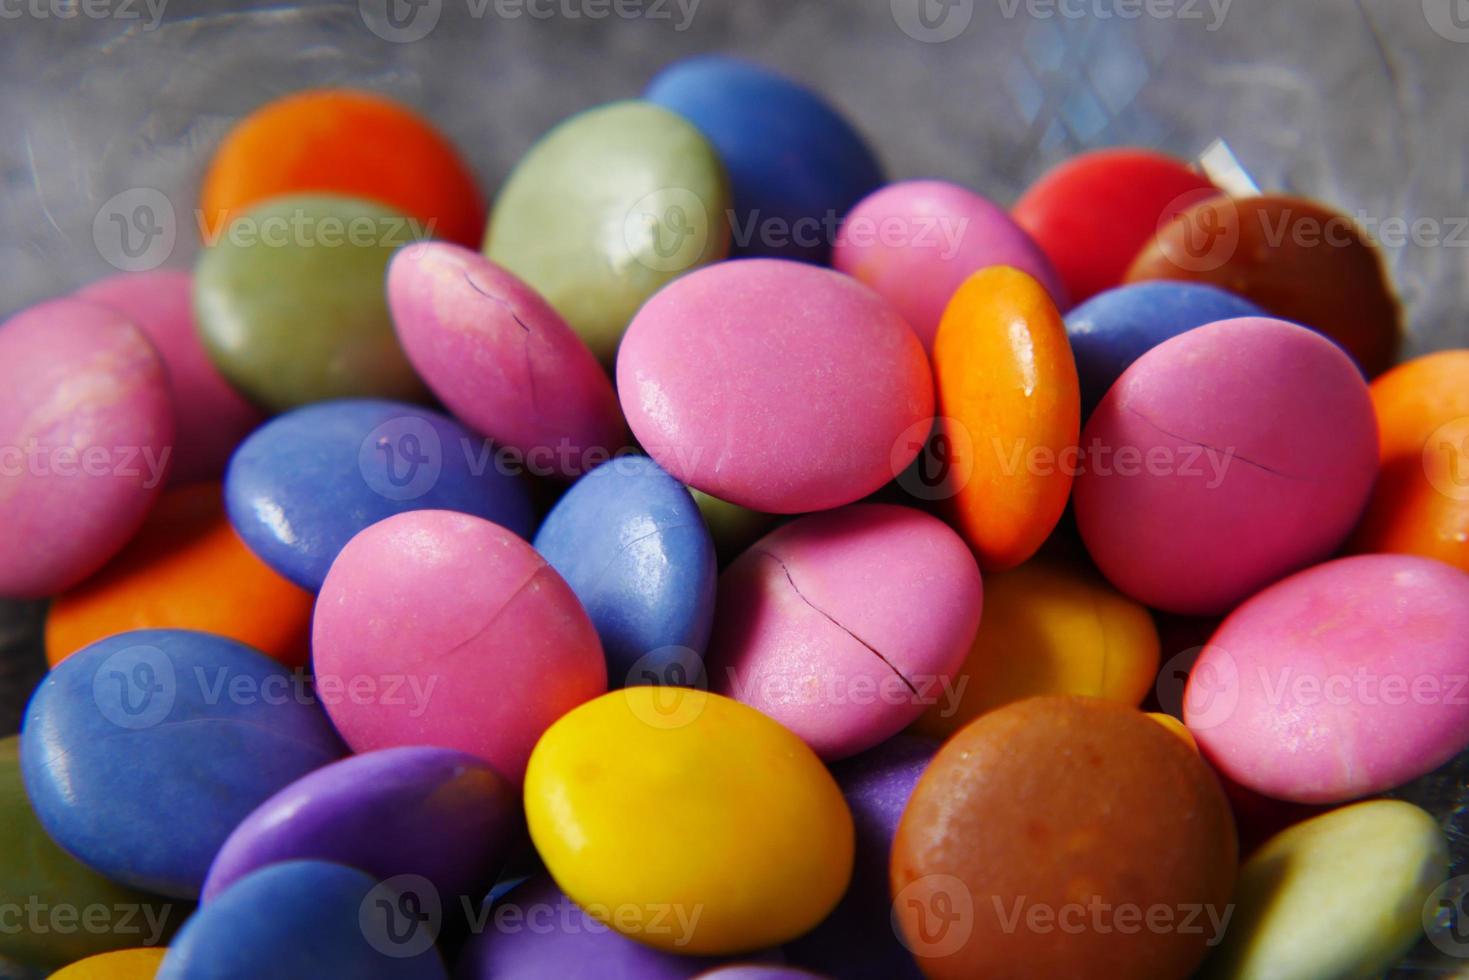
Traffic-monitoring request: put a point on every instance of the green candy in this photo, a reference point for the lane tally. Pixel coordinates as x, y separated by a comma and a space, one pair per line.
734, 528
54, 909
608, 208
1338, 896
292, 306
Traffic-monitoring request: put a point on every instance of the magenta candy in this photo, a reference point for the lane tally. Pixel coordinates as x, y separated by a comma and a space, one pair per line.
1222, 460
457, 634
916, 241
86, 429
1341, 681
210, 417
502, 360
844, 626
775, 385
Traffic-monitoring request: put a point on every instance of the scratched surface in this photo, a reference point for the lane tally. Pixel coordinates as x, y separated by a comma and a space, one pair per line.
1361, 104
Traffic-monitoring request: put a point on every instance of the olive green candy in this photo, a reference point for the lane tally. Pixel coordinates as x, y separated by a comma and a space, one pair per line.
291, 302
610, 206
734, 528
54, 909
1341, 895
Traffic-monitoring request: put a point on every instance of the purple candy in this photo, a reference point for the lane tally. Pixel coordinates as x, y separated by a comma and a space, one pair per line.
755, 971
857, 940
415, 810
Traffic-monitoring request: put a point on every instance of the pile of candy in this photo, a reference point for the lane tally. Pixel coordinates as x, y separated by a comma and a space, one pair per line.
376, 647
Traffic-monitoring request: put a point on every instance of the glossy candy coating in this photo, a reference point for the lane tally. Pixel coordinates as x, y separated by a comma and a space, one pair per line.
342, 141
606, 209
1009, 408
489, 644
1093, 212
169, 739
1049, 628
303, 484
1356, 666
916, 241
291, 306
630, 542
1296, 258
186, 568
501, 359
1072, 814
210, 417
1114, 328
774, 385
124, 964
87, 426
699, 783
795, 164
418, 810
1222, 460
304, 920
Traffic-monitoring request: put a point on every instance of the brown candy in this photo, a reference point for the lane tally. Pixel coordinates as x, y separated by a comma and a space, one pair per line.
1299, 260
1064, 837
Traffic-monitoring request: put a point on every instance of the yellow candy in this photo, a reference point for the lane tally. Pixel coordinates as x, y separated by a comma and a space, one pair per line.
1049, 628
121, 964
1176, 727
688, 821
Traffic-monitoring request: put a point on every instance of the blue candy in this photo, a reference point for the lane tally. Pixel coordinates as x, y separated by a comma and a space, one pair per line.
304, 483
141, 752
629, 540
1112, 329
795, 165
304, 920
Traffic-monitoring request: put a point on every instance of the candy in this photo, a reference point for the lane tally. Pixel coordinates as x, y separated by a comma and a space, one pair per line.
348, 142
290, 302
1090, 214
143, 751
185, 569
1301, 261
1049, 628
734, 528
629, 541
501, 359
1112, 329
304, 920
39, 877
487, 644
302, 485
708, 813
122, 964
774, 385
1338, 682
210, 417
752, 971
795, 165
1342, 895
857, 941
86, 432
1420, 504
537, 932
1222, 460
1009, 410
916, 241
606, 209
436, 813
1072, 835
816, 624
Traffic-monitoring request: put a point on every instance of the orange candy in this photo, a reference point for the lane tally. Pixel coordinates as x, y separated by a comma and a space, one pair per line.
1420, 505
1010, 413
185, 569
344, 142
